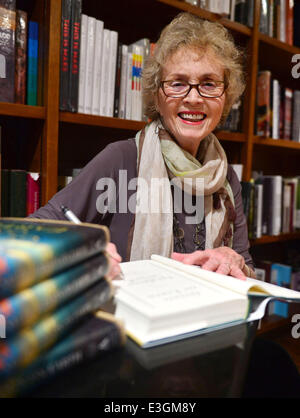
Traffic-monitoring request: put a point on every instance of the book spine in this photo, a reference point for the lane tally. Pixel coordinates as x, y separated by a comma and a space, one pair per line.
32, 263
99, 334
5, 174
17, 193
275, 109
112, 72
289, 22
118, 81
122, 101
7, 51
287, 124
26, 307
104, 72
32, 63
23, 349
33, 192
128, 86
82, 63
263, 103
97, 67
296, 119
89, 65
74, 56
64, 53
21, 57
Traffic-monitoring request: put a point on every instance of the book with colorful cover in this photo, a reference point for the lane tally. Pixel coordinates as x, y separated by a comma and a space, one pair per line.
33, 249
32, 62
98, 334
21, 350
281, 275
26, 307
7, 50
21, 56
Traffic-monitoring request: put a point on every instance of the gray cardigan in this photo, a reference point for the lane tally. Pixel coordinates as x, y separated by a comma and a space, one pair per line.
81, 197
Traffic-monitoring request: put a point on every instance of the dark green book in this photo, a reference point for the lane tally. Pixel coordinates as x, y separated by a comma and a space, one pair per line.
33, 249
18, 193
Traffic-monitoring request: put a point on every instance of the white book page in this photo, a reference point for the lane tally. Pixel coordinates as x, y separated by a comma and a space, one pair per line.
157, 290
236, 285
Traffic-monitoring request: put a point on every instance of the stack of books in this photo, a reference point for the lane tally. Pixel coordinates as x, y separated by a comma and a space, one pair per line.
52, 285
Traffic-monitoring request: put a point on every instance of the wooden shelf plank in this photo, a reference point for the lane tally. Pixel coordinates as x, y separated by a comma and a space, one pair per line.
282, 143
102, 121
229, 24
231, 136
279, 44
268, 239
23, 111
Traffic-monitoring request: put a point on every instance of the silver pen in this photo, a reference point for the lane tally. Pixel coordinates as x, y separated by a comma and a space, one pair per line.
73, 218
70, 215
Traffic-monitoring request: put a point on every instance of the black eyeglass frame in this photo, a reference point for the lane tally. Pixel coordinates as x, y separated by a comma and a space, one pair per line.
191, 86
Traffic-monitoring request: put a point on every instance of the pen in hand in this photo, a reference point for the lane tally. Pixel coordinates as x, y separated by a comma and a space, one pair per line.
73, 218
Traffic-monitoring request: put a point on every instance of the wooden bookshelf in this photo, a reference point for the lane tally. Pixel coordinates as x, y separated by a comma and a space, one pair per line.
22, 111
268, 239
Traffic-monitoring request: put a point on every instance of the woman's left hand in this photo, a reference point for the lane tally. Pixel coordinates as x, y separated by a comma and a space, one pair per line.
222, 260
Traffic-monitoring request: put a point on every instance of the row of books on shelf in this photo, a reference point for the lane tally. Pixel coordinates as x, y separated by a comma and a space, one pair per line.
98, 74
277, 109
19, 44
53, 285
20, 192
278, 18
281, 275
271, 205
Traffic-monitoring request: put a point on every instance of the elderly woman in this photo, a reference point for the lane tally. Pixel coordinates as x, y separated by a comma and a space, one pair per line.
189, 86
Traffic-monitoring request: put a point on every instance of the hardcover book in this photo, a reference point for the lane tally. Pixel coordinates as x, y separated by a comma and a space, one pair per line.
73, 79
263, 103
32, 250
98, 334
22, 349
21, 57
64, 53
7, 50
32, 63
27, 306
163, 300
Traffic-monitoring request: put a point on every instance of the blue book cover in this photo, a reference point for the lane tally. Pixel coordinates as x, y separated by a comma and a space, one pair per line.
281, 275
32, 63
32, 250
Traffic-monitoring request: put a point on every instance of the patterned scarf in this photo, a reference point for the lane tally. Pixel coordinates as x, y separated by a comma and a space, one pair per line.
160, 159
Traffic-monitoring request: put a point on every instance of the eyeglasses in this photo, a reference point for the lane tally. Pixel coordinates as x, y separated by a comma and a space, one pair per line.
207, 88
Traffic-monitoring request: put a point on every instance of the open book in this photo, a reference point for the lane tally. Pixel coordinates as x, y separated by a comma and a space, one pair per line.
163, 300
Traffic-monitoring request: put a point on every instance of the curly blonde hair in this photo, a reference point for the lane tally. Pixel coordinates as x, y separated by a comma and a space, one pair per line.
189, 31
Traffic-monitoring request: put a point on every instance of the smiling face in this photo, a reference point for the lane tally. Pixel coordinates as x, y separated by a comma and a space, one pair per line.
191, 118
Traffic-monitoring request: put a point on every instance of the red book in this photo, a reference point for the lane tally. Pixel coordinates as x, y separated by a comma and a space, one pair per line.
263, 103
33, 192
289, 28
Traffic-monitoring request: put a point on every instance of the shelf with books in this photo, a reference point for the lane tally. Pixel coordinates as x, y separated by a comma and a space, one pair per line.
231, 136
229, 24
